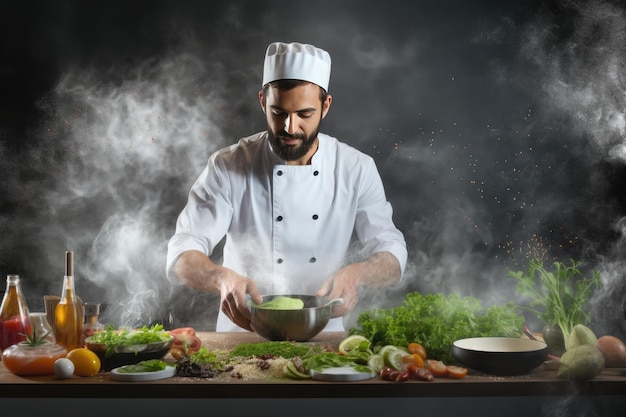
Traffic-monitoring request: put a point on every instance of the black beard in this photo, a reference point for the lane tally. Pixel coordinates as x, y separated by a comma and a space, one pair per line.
289, 152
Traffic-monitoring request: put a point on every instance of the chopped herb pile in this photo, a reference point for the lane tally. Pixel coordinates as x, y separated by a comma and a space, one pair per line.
208, 364
203, 364
436, 321
282, 349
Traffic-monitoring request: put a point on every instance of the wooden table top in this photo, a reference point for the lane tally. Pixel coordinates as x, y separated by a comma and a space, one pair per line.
539, 382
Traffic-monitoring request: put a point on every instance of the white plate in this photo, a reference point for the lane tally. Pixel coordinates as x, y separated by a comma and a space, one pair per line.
340, 373
168, 372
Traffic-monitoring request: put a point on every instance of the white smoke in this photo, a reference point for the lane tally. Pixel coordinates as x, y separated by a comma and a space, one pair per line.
131, 139
583, 77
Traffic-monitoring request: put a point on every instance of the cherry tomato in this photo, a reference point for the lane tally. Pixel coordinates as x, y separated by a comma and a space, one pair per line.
416, 348
456, 371
413, 359
437, 368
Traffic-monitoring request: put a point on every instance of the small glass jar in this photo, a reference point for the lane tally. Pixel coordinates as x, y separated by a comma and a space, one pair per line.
92, 324
41, 326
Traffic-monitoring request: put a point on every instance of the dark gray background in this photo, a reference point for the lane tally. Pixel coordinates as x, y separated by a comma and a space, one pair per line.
498, 128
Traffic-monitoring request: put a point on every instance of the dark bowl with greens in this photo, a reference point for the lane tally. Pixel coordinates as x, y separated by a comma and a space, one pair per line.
119, 347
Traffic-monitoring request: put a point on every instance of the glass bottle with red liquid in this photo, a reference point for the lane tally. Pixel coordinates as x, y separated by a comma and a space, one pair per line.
14, 318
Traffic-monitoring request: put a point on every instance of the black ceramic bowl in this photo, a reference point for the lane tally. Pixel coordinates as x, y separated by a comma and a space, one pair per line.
502, 356
128, 355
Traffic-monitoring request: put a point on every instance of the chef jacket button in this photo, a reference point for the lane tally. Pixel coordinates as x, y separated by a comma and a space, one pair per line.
312, 260
279, 173
279, 261
279, 218
315, 217
316, 173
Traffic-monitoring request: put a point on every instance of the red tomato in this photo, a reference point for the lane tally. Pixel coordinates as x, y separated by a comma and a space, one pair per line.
185, 342
456, 372
183, 330
437, 368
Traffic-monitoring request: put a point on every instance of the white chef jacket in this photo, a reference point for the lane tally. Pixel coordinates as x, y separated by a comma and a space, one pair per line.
287, 227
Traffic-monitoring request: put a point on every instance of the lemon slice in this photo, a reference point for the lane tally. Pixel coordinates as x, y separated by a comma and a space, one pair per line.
354, 343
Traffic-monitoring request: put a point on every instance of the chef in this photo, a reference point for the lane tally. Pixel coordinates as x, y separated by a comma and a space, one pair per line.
301, 212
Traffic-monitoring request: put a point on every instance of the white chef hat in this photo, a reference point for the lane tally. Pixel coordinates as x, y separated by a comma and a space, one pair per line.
296, 61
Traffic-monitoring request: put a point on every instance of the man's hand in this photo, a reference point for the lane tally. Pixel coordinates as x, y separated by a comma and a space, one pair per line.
197, 271
343, 284
379, 270
233, 298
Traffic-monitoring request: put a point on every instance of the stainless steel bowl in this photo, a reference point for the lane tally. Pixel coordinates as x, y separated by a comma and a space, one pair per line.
292, 325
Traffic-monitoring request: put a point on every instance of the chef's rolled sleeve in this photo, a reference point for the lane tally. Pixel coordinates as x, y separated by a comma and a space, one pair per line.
374, 219
203, 222
179, 244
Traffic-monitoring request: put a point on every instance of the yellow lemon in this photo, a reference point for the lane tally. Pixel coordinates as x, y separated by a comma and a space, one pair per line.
86, 362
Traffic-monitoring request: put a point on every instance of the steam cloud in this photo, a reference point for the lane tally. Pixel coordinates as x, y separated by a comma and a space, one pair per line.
129, 142
584, 73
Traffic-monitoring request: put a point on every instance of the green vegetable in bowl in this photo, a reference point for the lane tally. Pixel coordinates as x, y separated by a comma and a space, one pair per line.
282, 303
113, 339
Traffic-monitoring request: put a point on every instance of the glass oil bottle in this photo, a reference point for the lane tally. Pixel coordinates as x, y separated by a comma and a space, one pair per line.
14, 317
68, 327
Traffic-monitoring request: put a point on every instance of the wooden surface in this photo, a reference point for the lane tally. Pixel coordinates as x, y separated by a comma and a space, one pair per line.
540, 382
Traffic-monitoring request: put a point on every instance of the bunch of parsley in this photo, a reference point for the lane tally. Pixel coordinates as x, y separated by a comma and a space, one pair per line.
436, 321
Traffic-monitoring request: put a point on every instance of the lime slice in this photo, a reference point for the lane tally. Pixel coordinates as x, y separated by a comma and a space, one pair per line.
376, 362
354, 343
394, 359
385, 350
290, 371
